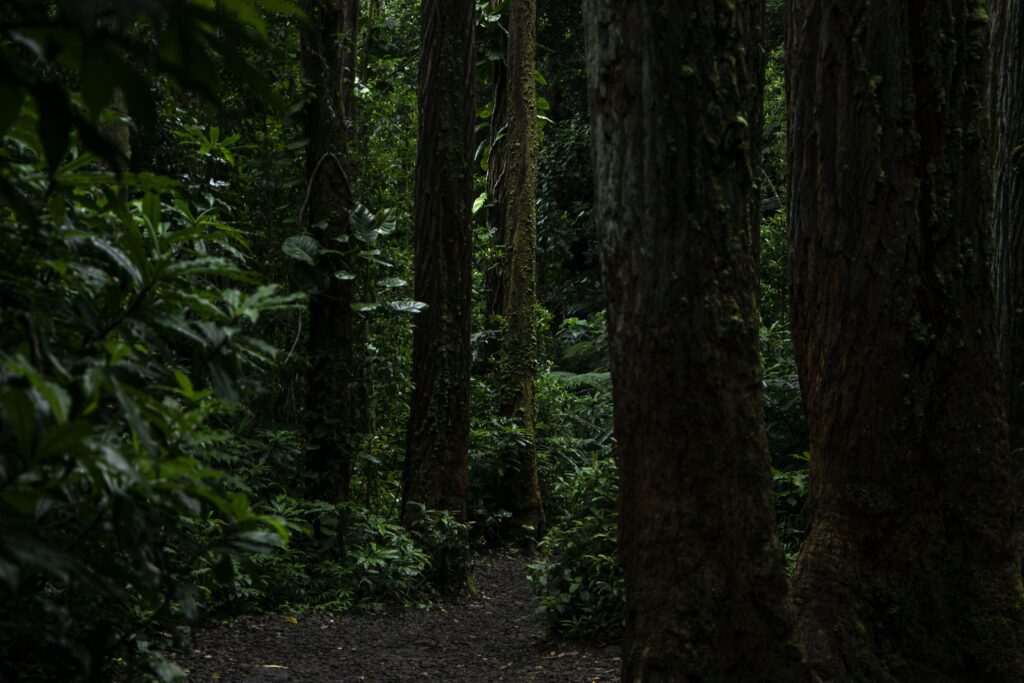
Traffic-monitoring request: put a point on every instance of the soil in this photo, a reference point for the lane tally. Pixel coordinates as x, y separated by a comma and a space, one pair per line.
494, 635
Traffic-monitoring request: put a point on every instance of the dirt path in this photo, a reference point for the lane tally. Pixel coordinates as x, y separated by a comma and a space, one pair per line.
493, 636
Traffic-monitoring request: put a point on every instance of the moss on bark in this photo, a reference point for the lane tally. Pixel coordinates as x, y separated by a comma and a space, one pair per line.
517, 365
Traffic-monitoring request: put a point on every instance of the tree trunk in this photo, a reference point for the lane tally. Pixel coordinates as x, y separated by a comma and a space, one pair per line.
1008, 215
675, 99
437, 448
520, 489
910, 569
328, 55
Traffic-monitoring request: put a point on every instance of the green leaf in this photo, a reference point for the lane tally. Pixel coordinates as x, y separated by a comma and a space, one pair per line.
151, 207
301, 248
118, 257
20, 415
66, 439
408, 306
479, 203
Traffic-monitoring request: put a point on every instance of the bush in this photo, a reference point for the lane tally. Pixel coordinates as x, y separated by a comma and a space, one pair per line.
578, 577
346, 558
124, 340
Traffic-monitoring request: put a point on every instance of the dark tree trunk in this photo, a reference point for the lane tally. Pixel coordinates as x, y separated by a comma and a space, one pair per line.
910, 569
1008, 212
675, 99
520, 488
437, 447
328, 63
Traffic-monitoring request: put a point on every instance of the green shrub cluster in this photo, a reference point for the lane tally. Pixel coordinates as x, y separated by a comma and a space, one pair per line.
578, 578
125, 342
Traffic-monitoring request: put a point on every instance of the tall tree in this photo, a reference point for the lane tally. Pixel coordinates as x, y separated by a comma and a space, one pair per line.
520, 488
910, 570
328, 53
675, 99
437, 445
1008, 214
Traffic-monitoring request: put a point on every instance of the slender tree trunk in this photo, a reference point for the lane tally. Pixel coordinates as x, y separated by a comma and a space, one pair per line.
910, 570
520, 488
1008, 214
328, 54
675, 99
437, 448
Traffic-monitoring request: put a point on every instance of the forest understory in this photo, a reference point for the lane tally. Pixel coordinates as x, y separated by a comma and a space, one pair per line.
680, 341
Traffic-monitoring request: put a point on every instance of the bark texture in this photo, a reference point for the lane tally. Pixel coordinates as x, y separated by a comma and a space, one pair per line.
1008, 212
520, 488
437, 448
910, 569
328, 55
675, 97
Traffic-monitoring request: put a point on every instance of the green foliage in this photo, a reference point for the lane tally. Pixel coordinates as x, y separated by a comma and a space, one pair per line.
774, 280
349, 558
102, 46
578, 577
783, 407
152, 447
790, 485
125, 339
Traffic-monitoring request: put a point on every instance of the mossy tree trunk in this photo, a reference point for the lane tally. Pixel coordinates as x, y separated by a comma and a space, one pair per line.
437, 446
328, 53
910, 570
1008, 211
675, 97
520, 489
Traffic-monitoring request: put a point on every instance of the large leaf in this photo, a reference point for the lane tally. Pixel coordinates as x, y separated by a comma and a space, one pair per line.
301, 248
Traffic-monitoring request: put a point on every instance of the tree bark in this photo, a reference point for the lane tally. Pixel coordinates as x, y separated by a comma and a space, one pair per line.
520, 488
328, 54
1008, 212
910, 570
675, 97
437, 448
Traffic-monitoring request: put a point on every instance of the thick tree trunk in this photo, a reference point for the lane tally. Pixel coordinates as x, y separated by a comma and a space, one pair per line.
675, 99
520, 489
910, 569
1008, 212
437, 447
328, 62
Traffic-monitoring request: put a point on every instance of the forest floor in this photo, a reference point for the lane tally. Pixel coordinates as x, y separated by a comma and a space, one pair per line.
494, 635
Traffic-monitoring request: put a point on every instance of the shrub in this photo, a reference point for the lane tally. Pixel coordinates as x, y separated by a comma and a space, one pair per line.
124, 340
578, 577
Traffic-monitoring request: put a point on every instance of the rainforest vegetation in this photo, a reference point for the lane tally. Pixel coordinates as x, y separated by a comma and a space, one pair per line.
704, 317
